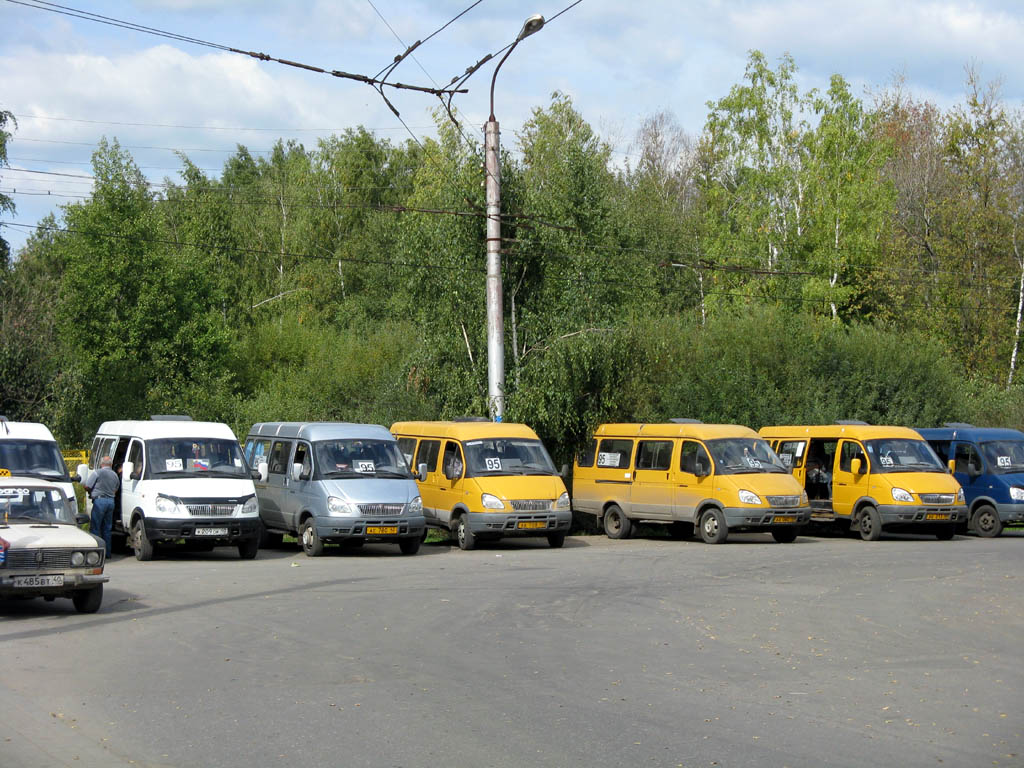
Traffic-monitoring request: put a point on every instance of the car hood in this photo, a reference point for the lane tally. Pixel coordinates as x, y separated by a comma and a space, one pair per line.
922, 482
764, 483
27, 536
521, 486
199, 487
373, 490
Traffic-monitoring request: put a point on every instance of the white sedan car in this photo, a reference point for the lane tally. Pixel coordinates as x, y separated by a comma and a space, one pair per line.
43, 552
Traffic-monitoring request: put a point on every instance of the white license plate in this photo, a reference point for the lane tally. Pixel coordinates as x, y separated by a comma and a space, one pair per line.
55, 580
211, 531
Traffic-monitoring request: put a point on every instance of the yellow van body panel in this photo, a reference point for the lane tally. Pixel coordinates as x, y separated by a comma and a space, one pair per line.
674, 491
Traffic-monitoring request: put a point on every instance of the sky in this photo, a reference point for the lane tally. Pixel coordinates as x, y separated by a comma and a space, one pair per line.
69, 82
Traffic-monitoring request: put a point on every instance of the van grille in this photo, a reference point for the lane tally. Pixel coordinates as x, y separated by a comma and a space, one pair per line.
211, 510
531, 505
783, 501
937, 498
381, 510
51, 558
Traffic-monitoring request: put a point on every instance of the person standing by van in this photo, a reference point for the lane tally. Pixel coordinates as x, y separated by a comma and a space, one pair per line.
102, 487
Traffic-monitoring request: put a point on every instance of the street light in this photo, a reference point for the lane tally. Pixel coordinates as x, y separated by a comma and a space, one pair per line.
495, 310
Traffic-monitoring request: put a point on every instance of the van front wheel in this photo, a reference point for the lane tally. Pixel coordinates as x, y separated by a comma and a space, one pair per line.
870, 524
785, 535
616, 524
140, 541
713, 528
312, 544
986, 522
463, 535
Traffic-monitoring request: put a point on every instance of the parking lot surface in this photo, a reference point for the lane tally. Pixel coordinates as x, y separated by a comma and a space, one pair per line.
644, 652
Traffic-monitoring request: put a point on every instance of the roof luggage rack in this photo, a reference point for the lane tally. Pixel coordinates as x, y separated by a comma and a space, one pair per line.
170, 417
470, 418
686, 421
852, 422
959, 425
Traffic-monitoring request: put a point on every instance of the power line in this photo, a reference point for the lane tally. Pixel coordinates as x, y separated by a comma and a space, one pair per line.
108, 20
286, 129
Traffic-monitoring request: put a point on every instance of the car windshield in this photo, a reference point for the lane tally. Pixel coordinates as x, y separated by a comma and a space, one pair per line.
902, 455
507, 456
360, 457
32, 458
744, 456
195, 457
30, 505
1004, 456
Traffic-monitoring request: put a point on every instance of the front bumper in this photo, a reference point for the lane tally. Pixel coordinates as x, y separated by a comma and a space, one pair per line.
765, 518
345, 528
171, 529
520, 523
903, 515
1011, 513
73, 581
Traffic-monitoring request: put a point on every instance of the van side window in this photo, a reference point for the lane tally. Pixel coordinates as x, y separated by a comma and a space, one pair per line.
135, 457
279, 457
851, 451
586, 456
693, 456
407, 445
791, 452
304, 457
654, 454
614, 454
966, 456
941, 448
256, 452
94, 453
452, 463
427, 454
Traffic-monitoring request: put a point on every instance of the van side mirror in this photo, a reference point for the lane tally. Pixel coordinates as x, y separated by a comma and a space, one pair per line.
261, 469
702, 470
855, 466
952, 466
421, 473
565, 471
82, 519
82, 474
126, 471
973, 470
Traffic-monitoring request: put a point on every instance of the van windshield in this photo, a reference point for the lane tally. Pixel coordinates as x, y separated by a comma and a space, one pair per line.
1004, 457
34, 506
507, 456
195, 457
360, 458
33, 458
902, 455
744, 456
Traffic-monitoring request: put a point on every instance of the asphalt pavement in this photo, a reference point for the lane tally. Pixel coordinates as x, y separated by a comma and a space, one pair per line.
644, 652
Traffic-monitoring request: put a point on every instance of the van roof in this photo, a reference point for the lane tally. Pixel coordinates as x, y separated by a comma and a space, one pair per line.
853, 431
967, 432
149, 430
686, 429
24, 430
320, 430
462, 430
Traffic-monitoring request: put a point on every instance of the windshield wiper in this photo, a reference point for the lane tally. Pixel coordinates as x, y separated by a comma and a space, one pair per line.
391, 473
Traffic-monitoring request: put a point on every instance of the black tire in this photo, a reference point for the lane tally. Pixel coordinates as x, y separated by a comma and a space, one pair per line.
713, 528
463, 535
785, 535
311, 542
88, 600
986, 522
269, 539
680, 530
410, 546
247, 549
140, 542
616, 524
870, 524
556, 540
945, 533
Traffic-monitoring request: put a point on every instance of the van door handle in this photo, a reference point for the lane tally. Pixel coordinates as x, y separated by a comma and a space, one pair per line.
683, 485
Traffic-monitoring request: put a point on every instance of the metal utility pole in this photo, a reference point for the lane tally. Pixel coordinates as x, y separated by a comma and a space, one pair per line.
495, 307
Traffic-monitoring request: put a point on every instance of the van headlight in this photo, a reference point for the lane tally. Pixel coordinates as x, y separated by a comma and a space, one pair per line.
490, 501
77, 559
165, 505
414, 507
748, 497
1017, 494
340, 508
563, 501
250, 507
960, 496
898, 494
803, 499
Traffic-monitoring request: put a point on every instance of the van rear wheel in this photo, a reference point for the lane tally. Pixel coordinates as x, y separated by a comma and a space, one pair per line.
616, 524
